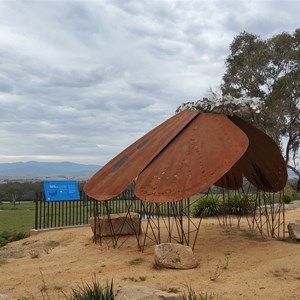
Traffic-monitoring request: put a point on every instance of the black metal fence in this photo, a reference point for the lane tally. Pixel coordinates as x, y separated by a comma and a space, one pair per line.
53, 214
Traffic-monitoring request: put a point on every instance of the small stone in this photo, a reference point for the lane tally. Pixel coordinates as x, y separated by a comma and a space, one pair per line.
174, 256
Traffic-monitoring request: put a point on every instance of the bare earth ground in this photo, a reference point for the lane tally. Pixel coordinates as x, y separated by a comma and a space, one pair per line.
233, 264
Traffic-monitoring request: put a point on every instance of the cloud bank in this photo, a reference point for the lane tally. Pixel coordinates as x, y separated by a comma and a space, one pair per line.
81, 80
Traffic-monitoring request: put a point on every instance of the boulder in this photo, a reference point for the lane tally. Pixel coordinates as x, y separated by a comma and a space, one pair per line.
4, 297
174, 256
116, 224
136, 292
294, 230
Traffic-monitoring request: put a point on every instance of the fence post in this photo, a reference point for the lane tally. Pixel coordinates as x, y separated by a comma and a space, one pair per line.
36, 200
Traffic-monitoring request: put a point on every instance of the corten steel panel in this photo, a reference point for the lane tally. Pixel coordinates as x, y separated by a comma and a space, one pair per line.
199, 156
262, 164
116, 175
232, 180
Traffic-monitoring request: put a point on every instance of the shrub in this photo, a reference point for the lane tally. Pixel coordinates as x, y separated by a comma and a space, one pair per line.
207, 207
93, 291
7, 237
238, 205
289, 192
286, 199
235, 204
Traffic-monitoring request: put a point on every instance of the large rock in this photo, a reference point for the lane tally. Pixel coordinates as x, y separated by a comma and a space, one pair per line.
4, 297
116, 224
136, 292
294, 230
174, 256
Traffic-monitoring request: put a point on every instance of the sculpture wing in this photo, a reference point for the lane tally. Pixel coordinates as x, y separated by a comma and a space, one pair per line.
262, 164
116, 175
232, 180
200, 155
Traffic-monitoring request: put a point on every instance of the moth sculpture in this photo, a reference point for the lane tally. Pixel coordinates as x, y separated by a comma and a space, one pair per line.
192, 151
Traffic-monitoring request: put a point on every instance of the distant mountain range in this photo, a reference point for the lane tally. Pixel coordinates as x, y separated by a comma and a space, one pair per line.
34, 168
52, 169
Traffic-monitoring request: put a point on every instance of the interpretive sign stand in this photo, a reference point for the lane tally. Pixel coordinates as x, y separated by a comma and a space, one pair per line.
61, 190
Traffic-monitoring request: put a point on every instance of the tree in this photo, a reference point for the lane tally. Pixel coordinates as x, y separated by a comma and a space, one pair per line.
14, 192
269, 69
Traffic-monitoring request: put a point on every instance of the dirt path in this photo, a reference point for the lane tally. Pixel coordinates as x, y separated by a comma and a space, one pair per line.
234, 264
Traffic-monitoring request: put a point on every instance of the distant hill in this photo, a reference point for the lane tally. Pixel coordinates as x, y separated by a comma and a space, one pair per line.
34, 168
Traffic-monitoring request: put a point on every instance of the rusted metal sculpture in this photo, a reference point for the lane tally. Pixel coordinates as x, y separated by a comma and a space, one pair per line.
185, 155
188, 153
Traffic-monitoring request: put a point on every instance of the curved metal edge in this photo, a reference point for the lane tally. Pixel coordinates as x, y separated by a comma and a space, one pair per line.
116, 175
262, 164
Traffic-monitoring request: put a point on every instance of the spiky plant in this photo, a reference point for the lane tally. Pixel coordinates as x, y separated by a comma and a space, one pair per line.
93, 291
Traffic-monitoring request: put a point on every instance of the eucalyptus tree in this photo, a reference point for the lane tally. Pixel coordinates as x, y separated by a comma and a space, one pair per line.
269, 69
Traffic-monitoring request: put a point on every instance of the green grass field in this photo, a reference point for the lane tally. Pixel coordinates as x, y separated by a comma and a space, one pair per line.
17, 218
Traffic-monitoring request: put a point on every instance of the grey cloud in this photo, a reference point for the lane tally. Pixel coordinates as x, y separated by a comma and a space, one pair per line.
265, 18
5, 87
80, 78
74, 75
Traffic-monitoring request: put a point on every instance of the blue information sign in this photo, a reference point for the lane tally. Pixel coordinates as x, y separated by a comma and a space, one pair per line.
61, 190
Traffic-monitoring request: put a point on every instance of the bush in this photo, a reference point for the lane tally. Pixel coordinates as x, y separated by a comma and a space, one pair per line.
207, 207
235, 204
287, 199
238, 205
289, 193
8, 237
93, 291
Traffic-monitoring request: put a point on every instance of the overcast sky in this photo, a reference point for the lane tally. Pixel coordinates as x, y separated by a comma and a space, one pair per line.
81, 80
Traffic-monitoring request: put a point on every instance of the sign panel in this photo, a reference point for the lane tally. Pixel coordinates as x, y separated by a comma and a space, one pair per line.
61, 190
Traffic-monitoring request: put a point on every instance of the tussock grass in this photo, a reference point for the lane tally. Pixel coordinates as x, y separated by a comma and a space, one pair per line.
192, 295
92, 291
